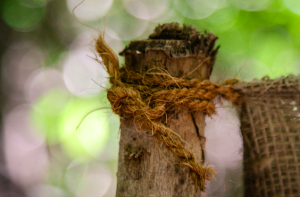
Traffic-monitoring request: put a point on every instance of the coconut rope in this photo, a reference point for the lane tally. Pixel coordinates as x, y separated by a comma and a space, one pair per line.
146, 99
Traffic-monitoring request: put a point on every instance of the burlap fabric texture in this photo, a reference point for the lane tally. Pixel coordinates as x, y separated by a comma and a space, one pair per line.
270, 125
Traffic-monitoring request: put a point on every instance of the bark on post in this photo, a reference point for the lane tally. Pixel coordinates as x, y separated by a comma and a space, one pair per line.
146, 168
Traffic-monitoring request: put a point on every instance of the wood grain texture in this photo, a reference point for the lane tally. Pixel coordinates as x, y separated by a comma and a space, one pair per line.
146, 167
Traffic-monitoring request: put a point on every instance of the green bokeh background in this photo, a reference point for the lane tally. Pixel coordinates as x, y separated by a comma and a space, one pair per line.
257, 38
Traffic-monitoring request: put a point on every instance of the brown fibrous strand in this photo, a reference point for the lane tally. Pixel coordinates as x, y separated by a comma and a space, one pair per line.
146, 98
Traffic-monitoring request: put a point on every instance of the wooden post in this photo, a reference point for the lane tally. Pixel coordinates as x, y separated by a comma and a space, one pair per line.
146, 168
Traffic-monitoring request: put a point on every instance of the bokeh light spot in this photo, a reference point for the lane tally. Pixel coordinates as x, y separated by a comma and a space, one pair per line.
42, 81
46, 191
146, 9
20, 17
196, 9
45, 114
57, 117
270, 50
91, 136
89, 10
124, 26
83, 76
222, 19
23, 146
293, 6
88, 180
252, 5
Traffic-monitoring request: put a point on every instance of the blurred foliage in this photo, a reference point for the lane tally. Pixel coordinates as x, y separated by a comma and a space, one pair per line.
58, 118
20, 16
257, 38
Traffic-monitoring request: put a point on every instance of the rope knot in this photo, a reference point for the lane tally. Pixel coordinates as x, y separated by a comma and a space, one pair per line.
147, 98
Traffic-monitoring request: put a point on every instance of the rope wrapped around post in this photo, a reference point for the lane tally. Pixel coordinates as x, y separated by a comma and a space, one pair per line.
145, 98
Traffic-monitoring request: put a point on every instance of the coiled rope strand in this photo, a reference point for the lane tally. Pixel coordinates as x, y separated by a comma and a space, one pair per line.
146, 99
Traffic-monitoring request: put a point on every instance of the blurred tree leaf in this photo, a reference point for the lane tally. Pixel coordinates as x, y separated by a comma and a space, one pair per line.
20, 17
57, 116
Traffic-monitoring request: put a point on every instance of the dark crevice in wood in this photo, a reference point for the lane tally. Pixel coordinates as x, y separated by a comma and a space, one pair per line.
196, 127
199, 136
202, 153
178, 51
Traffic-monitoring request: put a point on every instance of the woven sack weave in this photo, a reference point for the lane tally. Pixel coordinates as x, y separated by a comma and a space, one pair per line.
270, 125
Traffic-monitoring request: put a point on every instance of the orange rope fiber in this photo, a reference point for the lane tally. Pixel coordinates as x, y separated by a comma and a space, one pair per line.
146, 99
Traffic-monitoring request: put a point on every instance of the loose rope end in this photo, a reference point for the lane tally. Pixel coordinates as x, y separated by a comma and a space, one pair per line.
129, 96
108, 56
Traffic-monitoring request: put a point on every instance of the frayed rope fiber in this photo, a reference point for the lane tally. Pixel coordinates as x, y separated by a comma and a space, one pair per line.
145, 98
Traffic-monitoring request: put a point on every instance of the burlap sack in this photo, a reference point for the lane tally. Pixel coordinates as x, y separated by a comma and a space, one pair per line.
270, 125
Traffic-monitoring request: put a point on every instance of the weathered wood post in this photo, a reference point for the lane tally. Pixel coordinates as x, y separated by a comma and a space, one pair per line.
162, 96
145, 167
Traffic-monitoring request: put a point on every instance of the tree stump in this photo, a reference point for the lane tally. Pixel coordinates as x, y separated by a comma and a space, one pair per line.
145, 167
